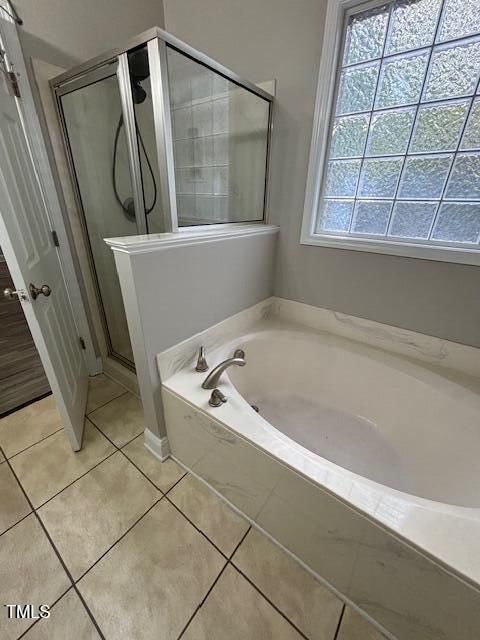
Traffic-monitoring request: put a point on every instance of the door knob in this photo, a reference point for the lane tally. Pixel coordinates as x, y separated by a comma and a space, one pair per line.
36, 291
10, 294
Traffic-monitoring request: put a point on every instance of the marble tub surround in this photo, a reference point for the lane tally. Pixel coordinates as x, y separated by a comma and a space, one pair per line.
429, 540
429, 349
405, 592
185, 353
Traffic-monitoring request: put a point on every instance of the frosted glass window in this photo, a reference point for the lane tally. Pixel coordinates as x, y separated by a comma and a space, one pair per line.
439, 126
365, 36
412, 219
464, 183
371, 217
349, 135
458, 223
454, 70
379, 178
424, 177
337, 215
413, 25
401, 80
390, 132
342, 177
357, 88
460, 18
471, 136
403, 155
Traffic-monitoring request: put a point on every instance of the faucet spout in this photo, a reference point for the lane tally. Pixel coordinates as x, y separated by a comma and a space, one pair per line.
213, 378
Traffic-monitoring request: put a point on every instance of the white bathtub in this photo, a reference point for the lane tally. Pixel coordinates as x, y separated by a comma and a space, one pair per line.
371, 432
374, 414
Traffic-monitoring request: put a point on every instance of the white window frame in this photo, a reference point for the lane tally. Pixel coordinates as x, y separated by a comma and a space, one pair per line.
332, 45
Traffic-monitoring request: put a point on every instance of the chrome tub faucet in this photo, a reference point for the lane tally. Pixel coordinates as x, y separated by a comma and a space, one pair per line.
213, 378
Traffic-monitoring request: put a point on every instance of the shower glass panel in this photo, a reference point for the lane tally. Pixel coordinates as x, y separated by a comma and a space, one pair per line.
96, 138
145, 130
220, 139
158, 136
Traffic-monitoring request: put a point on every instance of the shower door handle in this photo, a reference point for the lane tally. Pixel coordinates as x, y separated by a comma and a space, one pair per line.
36, 291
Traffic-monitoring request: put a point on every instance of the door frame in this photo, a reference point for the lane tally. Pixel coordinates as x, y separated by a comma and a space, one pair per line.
15, 62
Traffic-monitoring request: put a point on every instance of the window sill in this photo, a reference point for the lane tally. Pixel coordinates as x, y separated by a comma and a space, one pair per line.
389, 247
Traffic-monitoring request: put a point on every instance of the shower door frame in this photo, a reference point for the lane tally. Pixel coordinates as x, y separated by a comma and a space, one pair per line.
156, 40
112, 68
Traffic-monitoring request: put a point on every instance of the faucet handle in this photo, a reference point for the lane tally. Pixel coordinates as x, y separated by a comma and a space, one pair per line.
201, 361
239, 353
216, 398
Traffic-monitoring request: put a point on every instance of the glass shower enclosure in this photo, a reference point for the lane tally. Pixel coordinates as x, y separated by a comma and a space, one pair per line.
159, 138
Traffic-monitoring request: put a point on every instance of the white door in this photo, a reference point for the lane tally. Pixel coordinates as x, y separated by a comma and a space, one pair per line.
32, 258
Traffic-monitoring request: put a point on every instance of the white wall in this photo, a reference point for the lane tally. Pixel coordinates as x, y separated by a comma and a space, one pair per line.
172, 293
262, 39
65, 32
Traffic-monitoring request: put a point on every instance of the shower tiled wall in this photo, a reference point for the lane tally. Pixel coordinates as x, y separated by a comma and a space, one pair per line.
200, 110
220, 145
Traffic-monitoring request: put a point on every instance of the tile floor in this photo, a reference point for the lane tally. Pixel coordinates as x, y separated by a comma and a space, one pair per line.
123, 546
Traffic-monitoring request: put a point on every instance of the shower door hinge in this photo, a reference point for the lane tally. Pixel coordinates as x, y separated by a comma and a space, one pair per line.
82, 343
55, 238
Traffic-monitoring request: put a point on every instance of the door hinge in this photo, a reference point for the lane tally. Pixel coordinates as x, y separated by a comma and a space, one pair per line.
82, 343
55, 238
12, 77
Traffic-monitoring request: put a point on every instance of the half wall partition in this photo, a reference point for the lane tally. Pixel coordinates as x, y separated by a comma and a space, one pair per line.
159, 138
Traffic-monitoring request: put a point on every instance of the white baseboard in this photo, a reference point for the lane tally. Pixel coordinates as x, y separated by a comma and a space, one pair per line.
159, 447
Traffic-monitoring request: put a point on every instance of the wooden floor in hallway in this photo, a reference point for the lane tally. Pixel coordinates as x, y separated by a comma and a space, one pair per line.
22, 378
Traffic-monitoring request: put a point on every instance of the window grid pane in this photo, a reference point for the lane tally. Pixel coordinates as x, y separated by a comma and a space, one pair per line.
404, 156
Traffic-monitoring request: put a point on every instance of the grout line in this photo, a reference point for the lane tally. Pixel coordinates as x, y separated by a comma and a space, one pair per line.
239, 544
76, 480
121, 384
120, 450
130, 441
15, 524
202, 601
268, 600
32, 445
118, 447
57, 553
178, 481
339, 622
100, 406
164, 493
229, 562
118, 540
51, 607
197, 528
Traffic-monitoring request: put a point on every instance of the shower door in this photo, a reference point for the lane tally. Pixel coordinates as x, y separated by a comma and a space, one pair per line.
92, 117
